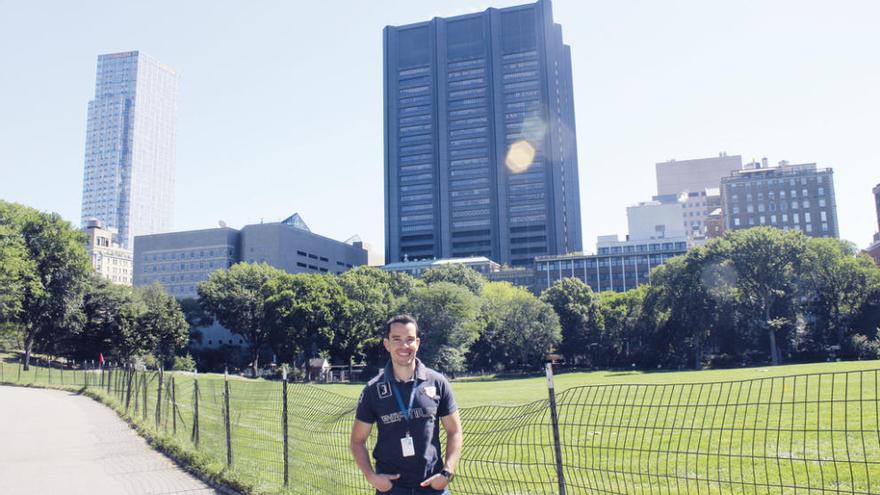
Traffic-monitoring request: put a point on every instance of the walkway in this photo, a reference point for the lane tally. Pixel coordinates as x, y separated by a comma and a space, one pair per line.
57, 442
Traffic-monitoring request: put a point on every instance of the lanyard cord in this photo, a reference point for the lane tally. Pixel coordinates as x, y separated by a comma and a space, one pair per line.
407, 411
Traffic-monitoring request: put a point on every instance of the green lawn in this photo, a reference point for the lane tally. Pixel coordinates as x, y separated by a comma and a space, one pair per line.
790, 429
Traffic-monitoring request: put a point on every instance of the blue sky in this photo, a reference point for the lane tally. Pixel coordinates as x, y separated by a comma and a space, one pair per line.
281, 102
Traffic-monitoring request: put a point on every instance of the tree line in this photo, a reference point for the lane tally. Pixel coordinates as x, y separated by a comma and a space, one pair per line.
52, 302
752, 296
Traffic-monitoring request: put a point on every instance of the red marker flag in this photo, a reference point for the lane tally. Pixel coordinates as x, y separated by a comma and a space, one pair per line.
101, 358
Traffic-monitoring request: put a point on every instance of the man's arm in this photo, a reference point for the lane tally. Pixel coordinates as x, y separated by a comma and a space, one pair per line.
360, 432
454, 441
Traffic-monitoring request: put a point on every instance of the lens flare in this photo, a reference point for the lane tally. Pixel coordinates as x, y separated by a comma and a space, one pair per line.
520, 156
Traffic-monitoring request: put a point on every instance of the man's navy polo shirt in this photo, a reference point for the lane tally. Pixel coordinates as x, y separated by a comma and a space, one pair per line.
433, 400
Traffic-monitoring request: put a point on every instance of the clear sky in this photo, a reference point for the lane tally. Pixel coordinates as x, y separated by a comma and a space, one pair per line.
281, 102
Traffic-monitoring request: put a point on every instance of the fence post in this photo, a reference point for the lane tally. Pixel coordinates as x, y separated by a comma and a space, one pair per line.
128, 378
560, 475
159, 398
109, 378
144, 382
284, 425
195, 432
226, 416
102, 374
173, 407
19, 369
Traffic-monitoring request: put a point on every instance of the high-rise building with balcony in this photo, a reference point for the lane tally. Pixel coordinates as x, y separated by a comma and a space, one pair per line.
128, 181
480, 150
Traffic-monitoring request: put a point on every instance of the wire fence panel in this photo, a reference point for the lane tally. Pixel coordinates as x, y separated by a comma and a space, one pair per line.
320, 427
803, 434
795, 434
256, 419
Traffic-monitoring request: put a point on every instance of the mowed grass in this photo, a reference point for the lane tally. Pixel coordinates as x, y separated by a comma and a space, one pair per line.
788, 429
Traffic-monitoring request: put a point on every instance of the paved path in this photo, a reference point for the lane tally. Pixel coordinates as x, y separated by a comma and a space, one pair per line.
57, 442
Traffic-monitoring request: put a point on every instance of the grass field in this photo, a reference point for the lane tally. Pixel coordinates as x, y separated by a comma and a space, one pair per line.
790, 429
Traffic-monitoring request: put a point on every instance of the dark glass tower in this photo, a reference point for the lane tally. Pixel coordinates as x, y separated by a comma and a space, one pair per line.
480, 151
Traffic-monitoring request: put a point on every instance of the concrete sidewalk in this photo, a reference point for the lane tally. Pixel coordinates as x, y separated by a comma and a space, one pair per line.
57, 442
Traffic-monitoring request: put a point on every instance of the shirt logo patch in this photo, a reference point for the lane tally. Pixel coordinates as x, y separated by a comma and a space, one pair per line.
431, 392
384, 390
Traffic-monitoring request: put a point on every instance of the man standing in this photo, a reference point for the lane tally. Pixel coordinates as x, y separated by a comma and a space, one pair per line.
406, 399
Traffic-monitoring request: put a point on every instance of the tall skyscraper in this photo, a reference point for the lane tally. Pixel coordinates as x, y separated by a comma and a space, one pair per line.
128, 182
480, 150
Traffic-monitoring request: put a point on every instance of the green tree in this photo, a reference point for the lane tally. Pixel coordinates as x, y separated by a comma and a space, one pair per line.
56, 271
631, 319
110, 325
766, 263
196, 316
578, 310
18, 274
303, 309
372, 296
163, 323
520, 329
840, 280
457, 274
237, 299
448, 317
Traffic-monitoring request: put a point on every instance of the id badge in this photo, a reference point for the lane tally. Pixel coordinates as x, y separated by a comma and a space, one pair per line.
406, 445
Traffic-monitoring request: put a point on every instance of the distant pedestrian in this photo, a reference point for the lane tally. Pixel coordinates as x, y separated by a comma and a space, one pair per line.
406, 400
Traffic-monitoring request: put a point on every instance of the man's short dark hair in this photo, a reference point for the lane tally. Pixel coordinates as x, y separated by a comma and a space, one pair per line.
402, 319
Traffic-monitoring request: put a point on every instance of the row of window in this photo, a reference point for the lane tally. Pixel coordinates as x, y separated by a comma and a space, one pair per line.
188, 254
771, 195
595, 263
174, 267
313, 256
791, 182
783, 219
772, 206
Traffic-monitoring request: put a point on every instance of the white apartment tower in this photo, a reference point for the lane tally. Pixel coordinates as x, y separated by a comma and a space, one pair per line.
128, 181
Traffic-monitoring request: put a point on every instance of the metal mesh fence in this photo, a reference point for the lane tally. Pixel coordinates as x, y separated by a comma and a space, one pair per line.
803, 434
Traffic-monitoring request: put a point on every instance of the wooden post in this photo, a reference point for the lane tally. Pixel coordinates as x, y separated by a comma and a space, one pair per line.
560, 475
284, 425
128, 378
173, 406
144, 383
195, 430
159, 398
227, 418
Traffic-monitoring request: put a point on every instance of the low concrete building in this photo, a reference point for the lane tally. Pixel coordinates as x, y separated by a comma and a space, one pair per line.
618, 265
179, 261
481, 264
109, 259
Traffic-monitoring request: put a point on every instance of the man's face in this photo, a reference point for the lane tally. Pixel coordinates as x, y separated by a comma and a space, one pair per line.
402, 343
